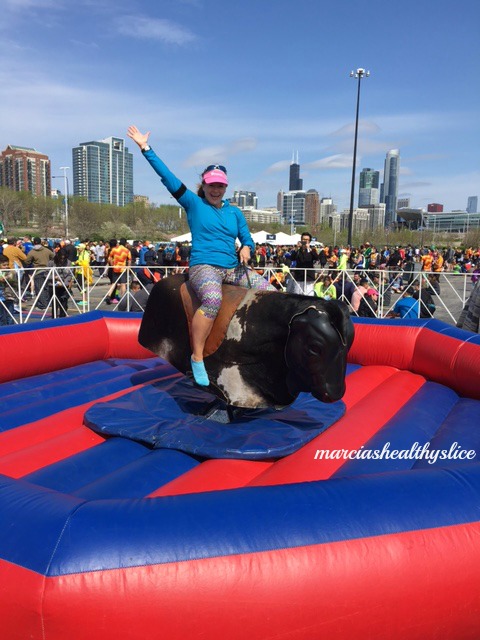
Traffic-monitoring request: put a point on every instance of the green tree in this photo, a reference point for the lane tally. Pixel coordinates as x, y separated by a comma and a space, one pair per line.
116, 230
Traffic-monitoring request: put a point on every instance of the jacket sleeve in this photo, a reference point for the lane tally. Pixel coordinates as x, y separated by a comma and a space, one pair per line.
244, 234
174, 185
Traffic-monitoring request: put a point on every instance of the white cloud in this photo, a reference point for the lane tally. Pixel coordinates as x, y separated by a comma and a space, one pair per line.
338, 161
32, 4
219, 153
242, 146
364, 127
155, 29
206, 155
277, 167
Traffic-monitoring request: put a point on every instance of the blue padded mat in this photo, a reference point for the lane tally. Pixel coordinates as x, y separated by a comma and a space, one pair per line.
171, 414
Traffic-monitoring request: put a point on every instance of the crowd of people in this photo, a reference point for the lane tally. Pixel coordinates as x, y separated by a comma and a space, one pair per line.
315, 269
26, 272
308, 268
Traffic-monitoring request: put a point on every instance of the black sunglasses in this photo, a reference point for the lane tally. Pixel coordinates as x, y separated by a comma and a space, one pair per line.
211, 167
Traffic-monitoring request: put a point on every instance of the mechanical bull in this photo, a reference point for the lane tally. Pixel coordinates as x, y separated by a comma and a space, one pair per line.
265, 347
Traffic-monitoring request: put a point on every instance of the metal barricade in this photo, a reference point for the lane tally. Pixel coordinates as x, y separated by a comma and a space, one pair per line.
32, 289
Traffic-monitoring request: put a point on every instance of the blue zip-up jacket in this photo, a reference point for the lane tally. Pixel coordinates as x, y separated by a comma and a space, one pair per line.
214, 231
141, 256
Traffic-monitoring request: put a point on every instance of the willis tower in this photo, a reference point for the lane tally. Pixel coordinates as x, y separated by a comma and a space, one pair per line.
296, 183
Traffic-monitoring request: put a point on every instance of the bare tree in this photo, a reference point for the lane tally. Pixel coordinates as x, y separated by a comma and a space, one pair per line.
10, 208
44, 210
85, 219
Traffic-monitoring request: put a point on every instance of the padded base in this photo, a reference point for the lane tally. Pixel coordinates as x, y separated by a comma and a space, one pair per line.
173, 414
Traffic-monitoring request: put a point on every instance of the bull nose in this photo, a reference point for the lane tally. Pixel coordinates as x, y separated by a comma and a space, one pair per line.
323, 397
329, 395
326, 398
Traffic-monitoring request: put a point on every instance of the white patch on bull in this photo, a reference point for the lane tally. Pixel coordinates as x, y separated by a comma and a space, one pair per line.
252, 295
165, 348
235, 388
235, 330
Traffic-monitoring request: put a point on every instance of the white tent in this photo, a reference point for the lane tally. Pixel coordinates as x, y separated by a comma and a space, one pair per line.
280, 238
187, 237
260, 237
284, 238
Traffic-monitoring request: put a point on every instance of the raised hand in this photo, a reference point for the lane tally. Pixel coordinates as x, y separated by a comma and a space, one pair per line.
137, 136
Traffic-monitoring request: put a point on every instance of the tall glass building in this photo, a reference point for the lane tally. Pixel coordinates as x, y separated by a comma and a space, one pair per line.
103, 171
369, 192
472, 204
389, 188
293, 209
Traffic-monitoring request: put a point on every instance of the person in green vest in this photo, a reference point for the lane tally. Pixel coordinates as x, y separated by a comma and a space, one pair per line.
325, 289
342, 260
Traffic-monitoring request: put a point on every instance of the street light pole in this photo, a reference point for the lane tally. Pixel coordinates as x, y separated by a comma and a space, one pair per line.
64, 169
359, 74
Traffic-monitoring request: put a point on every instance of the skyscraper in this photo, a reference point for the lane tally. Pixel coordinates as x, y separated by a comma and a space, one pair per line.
312, 208
327, 210
472, 204
389, 188
403, 203
245, 199
369, 193
25, 169
103, 171
295, 182
293, 208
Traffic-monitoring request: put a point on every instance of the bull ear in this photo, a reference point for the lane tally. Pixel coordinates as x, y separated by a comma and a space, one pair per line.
341, 320
297, 348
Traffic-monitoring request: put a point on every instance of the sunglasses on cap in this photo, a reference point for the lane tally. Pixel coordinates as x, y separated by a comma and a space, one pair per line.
211, 167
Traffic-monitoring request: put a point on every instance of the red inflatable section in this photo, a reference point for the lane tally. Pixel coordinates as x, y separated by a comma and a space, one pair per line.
401, 582
342, 599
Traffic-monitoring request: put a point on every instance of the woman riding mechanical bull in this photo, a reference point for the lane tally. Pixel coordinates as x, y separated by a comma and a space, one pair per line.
215, 225
266, 347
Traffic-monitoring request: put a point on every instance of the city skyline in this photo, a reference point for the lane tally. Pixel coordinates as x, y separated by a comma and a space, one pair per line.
184, 71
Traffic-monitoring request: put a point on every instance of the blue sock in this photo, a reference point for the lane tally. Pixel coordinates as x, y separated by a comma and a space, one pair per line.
200, 373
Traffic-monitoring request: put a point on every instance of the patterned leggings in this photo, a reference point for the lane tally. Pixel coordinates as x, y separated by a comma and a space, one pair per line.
207, 282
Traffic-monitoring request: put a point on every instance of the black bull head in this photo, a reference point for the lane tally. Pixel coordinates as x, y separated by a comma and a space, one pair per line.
316, 351
275, 345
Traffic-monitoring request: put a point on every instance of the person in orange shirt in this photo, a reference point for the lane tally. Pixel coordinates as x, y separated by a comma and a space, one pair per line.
437, 265
427, 261
119, 259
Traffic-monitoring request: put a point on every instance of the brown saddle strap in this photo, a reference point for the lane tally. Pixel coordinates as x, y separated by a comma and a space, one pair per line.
232, 296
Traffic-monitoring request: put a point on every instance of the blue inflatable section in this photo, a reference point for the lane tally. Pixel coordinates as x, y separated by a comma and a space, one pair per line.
46, 393
170, 414
78, 535
117, 467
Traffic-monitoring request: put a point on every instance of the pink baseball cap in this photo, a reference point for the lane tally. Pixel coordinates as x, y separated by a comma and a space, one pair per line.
215, 175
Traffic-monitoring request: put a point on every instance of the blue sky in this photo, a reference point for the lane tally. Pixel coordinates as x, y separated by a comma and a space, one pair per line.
246, 83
